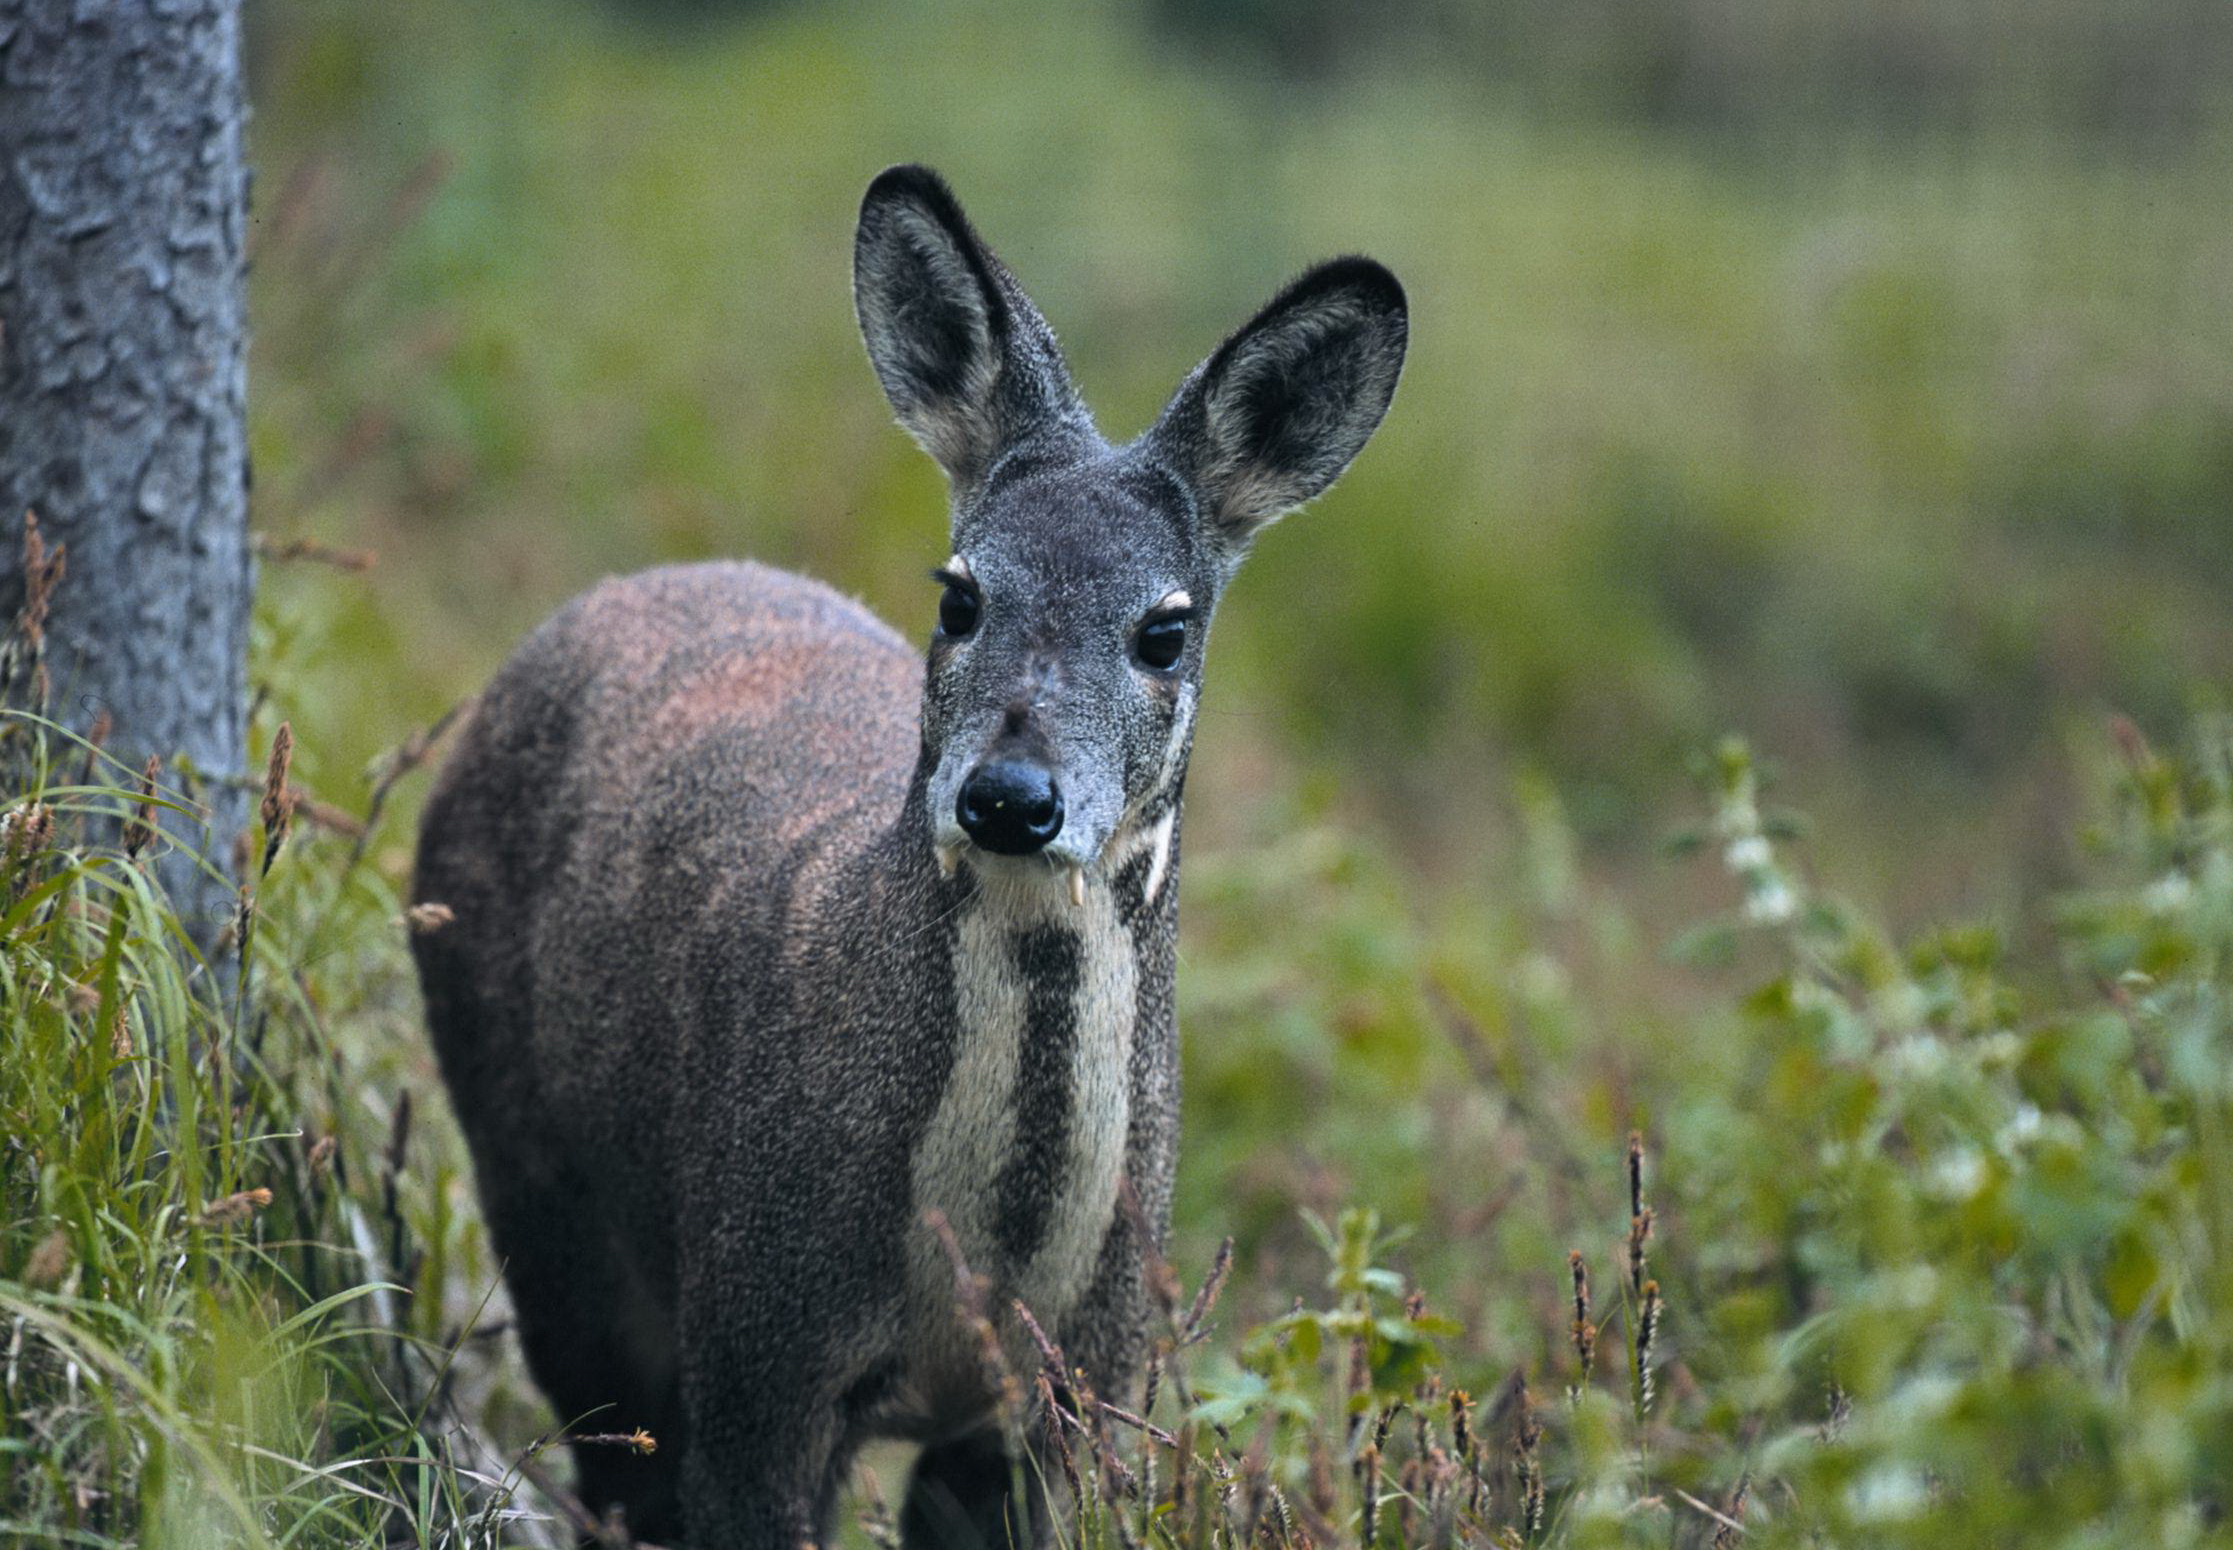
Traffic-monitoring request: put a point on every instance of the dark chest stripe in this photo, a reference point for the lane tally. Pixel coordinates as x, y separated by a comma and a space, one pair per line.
1130, 887
1140, 915
1048, 960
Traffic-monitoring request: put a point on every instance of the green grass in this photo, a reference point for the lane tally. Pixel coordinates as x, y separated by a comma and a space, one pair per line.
207, 1276
1940, 1234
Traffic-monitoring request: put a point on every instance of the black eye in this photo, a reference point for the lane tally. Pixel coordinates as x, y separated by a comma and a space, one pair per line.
957, 611
1162, 642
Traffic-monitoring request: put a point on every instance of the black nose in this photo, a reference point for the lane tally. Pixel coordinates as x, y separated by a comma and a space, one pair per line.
1010, 808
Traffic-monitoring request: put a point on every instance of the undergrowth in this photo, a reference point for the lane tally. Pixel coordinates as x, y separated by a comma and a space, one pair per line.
1956, 1263
206, 1272
1941, 1253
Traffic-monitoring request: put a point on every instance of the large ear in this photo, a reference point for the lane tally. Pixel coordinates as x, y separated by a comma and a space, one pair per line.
1273, 417
968, 364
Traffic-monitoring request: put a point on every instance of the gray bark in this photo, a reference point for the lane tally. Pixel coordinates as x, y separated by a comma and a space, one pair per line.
123, 195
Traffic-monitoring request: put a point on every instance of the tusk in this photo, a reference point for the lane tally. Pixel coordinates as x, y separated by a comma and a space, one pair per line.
1077, 887
1160, 867
949, 857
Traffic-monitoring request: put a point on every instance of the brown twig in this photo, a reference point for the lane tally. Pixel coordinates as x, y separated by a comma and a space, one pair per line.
639, 1441
970, 1289
1139, 1424
1728, 1524
409, 756
280, 552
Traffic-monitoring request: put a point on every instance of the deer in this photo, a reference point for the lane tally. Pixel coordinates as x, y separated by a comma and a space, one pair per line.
785, 963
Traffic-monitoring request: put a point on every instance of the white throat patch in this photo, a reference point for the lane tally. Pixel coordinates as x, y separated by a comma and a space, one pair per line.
976, 1132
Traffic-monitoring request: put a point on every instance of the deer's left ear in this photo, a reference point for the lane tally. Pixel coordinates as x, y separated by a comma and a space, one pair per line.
1275, 415
968, 364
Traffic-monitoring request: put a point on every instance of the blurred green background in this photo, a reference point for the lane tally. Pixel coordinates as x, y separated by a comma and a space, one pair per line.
1858, 376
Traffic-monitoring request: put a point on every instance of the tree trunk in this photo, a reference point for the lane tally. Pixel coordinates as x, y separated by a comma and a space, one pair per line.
123, 202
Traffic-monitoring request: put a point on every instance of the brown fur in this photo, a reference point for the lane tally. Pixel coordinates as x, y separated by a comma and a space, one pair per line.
740, 986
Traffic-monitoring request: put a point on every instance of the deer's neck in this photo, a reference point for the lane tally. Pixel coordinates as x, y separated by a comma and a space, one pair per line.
1027, 1146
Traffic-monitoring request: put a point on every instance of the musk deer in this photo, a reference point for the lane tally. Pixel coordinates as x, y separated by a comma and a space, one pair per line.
772, 936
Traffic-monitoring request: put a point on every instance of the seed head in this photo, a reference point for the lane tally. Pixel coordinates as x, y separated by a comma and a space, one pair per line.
95, 736
426, 919
140, 827
1206, 1299
42, 573
1585, 1327
279, 800
1527, 1435
1282, 1516
26, 829
1639, 1234
1647, 1334
1368, 1491
244, 921
1726, 1537
1837, 1409
49, 1262
234, 1208
1051, 1416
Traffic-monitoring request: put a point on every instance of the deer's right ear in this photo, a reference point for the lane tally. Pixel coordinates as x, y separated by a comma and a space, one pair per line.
967, 362
1272, 418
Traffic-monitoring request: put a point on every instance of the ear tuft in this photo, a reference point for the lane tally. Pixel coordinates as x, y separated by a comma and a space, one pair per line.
966, 362
1279, 411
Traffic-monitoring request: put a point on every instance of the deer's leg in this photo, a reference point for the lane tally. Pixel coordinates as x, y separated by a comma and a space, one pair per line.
773, 1378
963, 1497
757, 1467
1106, 1334
646, 1487
770, 1448
597, 1340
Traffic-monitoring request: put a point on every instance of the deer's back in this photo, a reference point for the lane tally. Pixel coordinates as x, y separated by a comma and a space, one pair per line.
647, 787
